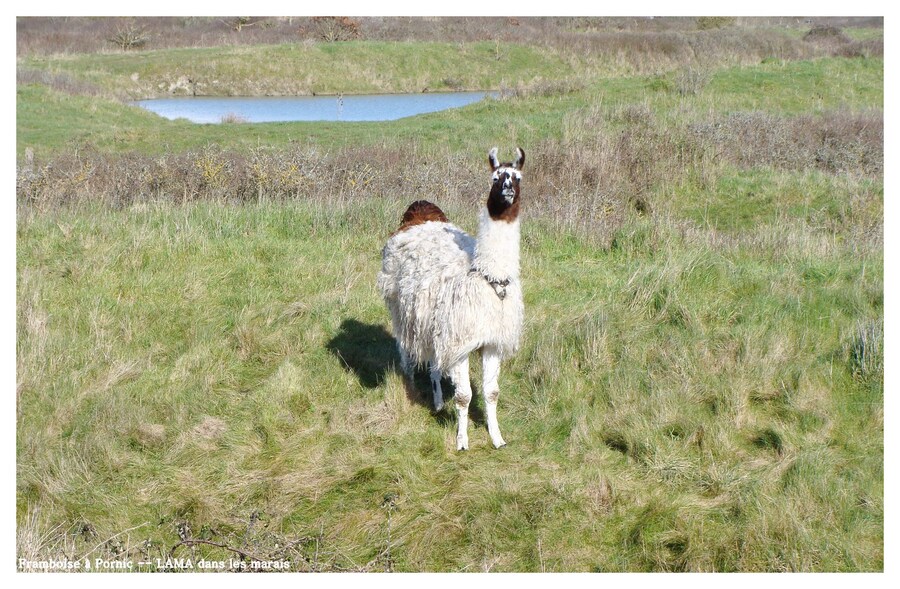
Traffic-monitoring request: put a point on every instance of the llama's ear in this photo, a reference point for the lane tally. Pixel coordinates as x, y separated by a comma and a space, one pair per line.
520, 159
492, 159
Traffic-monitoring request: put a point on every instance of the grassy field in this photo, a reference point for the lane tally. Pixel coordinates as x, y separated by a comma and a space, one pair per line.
201, 353
50, 121
294, 69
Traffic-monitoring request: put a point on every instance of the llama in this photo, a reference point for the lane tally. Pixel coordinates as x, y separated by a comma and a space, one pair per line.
450, 294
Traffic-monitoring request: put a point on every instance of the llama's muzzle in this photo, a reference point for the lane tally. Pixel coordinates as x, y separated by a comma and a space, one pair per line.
508, 192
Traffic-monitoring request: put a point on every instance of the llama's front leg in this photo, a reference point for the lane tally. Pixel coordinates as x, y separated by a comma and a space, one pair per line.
490, 362
459, 373
436, 387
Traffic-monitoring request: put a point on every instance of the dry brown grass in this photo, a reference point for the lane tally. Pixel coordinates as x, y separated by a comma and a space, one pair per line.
636, 39
59, 81
832, 142
607, 165
233, 119
833, 41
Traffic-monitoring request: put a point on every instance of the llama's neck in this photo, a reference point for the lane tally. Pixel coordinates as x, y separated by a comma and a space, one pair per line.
497, 247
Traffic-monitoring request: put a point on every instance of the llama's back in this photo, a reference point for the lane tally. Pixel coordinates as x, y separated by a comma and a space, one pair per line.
414, 263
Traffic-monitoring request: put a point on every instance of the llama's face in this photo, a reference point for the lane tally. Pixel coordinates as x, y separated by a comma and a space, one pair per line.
506, 180
503, 202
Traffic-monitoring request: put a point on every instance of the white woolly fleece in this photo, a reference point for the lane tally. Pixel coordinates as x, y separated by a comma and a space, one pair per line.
442, 306
497, 248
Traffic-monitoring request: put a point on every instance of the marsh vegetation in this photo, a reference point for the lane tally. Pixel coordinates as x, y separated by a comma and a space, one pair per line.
201, 353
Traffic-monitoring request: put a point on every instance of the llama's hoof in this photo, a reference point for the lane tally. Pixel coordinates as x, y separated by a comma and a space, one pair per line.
462, 444
438, 407
502, 444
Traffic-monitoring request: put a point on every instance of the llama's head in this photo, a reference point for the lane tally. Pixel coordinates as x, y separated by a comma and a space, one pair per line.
503, 202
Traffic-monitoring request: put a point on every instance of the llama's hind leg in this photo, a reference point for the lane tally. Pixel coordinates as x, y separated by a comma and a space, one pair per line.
490, 362
459, 373
436, 390
406, 366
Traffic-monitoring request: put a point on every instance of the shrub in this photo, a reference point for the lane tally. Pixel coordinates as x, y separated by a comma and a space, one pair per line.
130, 36
239, 23
336, 28
705, 23
833, 142
826, 33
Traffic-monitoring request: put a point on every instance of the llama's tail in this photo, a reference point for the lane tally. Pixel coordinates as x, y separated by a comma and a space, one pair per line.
420, 212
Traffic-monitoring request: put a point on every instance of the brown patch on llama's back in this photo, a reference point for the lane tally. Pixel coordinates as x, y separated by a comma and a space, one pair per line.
420, 212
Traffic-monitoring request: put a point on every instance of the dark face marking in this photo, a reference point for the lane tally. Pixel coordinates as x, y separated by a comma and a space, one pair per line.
503, 200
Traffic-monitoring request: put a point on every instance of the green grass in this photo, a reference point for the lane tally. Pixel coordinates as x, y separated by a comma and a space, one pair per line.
746, 199
864, 33
699, 387
697, 410
802, 86
50, 121
300, 69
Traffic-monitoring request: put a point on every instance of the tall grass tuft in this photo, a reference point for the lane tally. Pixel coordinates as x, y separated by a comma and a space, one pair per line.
233, 118
690, 81
865, 351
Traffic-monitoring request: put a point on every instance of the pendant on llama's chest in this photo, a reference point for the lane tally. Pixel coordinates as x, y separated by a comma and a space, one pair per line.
499, 286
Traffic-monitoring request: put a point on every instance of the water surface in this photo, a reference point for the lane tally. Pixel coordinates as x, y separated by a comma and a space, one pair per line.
267, 109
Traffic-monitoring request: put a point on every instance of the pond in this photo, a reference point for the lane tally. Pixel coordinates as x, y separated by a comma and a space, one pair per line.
358, 107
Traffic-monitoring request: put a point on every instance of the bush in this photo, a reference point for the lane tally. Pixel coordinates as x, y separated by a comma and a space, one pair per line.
130, 36
833, 142
336, 28
826, 33
239, 23
705, 23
